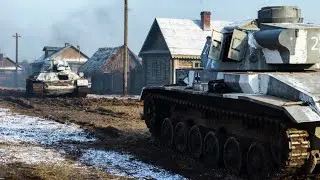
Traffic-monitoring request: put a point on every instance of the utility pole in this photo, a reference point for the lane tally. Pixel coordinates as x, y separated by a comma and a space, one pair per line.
17, 36
125, 54
79, 65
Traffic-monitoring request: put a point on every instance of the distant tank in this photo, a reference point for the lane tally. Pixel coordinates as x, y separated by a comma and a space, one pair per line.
258, 114
56, 79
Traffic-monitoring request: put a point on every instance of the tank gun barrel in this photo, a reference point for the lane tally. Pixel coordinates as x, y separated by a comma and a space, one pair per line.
269, 39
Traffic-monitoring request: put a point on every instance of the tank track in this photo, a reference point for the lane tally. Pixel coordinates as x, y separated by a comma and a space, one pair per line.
295, 141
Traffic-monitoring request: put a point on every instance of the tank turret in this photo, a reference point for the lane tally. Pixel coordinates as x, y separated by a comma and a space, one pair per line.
279, 42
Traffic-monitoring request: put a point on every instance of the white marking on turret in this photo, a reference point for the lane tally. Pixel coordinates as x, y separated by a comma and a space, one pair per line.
272, 56
300, 54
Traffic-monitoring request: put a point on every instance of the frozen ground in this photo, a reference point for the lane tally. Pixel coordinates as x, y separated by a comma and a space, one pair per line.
113, 96
32, 140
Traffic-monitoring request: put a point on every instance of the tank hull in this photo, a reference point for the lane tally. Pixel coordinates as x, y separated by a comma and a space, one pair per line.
283, 131
58, 88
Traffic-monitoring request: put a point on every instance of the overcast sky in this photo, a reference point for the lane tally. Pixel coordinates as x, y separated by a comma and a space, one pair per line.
99, 23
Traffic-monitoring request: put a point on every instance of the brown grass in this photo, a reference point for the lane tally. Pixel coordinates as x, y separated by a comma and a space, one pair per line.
65, 171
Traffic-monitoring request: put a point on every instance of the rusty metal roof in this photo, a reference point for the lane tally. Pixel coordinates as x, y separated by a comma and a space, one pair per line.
184, 37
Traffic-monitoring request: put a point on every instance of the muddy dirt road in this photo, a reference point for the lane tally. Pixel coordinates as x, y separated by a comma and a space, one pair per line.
91, 138
122, 146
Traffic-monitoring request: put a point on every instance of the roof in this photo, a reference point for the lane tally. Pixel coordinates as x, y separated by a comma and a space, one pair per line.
293, 25
99, 60
184, 37
51, 48
58, 50
7, 64
248, 24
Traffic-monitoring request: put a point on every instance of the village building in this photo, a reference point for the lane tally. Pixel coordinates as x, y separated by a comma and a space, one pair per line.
105, 70
72, 55
9, 77
173, 46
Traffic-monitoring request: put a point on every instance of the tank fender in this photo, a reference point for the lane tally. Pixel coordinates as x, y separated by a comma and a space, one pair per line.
147, 90
143, 93
82, 82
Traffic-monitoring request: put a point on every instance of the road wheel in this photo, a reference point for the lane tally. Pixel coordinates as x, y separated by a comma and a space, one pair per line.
180, 137
232, 156
280, 150
166, 134
81, 92
257, 166
195, 142
211, 149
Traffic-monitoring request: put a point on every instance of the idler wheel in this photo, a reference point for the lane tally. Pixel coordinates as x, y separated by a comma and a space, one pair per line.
150, 114
211, 149
149, 109
195, 142
180, 137
232, 156
166, 134
256, 162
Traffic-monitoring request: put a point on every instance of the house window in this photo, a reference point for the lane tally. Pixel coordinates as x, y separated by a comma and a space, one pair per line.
196, 64
154, 69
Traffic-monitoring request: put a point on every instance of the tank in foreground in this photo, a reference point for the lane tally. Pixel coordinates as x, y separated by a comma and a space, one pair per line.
57, 79
259, 114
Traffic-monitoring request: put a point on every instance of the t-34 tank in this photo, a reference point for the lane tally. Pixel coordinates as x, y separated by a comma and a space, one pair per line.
56, 79
259, 113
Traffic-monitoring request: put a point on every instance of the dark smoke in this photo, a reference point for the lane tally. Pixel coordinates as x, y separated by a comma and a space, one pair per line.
91, 28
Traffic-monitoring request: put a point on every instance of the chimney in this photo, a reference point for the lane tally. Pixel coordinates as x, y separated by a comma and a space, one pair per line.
205, 20
1, 56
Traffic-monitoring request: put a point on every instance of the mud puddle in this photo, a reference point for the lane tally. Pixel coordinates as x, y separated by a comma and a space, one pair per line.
34, 140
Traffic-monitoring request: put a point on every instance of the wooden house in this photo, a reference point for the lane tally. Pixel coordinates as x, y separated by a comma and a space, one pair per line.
173, 46
105, 69
73, 55
9, 77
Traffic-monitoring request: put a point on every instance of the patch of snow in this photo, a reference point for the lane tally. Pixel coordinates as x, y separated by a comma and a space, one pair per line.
96, 96
32, 140
34, 130
125, 165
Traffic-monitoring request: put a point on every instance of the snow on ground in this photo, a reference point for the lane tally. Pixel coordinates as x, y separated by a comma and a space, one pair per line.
33, 130
125, 165
95, 96
34, 140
